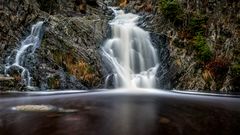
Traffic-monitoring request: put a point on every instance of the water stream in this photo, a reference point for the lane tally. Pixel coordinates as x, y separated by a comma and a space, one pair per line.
28, 47
133, 59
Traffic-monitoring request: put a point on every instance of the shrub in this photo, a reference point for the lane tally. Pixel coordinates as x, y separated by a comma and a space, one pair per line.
196, 24
236, 70
204, 52
171, 9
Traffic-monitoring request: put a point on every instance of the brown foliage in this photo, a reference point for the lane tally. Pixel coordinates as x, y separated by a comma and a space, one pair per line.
81, 70
217, 70
123, 3
81, 5
218, 66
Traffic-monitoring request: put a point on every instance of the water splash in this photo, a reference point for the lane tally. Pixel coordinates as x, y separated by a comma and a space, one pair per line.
28, 47
133, 59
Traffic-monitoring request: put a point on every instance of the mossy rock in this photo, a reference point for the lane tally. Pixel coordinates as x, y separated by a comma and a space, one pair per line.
172, 10
236, 70
204, 52
196, 24
235, 73
54, 82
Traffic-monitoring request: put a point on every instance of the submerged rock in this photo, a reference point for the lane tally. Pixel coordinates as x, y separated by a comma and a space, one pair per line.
42, 108
34, 108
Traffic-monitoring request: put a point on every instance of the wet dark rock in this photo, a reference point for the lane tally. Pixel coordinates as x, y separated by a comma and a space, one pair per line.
10, 83
68, 31
68, 56
92, 2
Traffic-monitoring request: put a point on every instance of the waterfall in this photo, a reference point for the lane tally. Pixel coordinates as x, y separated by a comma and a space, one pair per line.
28, 47
133, 59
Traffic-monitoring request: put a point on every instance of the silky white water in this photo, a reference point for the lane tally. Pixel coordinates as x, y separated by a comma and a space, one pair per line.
133, 59
32, 41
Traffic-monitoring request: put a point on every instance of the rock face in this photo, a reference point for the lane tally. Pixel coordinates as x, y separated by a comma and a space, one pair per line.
197, 41
8, 82
203, 41
68, 56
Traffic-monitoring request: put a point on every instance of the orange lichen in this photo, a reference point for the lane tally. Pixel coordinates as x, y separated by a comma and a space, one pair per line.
146, 6
77, 67
207, 75
123, 3
81, 70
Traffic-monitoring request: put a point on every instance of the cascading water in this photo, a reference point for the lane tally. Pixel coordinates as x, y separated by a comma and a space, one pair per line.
28, 47
133, 58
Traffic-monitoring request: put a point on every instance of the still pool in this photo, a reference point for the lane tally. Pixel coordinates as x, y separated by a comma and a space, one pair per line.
118, 112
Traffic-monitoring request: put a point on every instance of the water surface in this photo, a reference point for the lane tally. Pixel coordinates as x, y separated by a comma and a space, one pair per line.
119, 112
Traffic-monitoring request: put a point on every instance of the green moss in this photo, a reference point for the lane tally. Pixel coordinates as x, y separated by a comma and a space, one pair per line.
204, 52
54, 82
171, 10
236, 70
196, 24
58, 57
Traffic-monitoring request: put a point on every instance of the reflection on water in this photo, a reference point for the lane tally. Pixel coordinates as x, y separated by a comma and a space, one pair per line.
121, 113
131, 118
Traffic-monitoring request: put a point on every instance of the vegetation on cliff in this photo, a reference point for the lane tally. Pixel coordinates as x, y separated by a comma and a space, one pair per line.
68, 55
202, 52
171, 9
207, 33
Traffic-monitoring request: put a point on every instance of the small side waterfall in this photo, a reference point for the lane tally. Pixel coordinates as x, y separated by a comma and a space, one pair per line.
28, 47
133, 58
